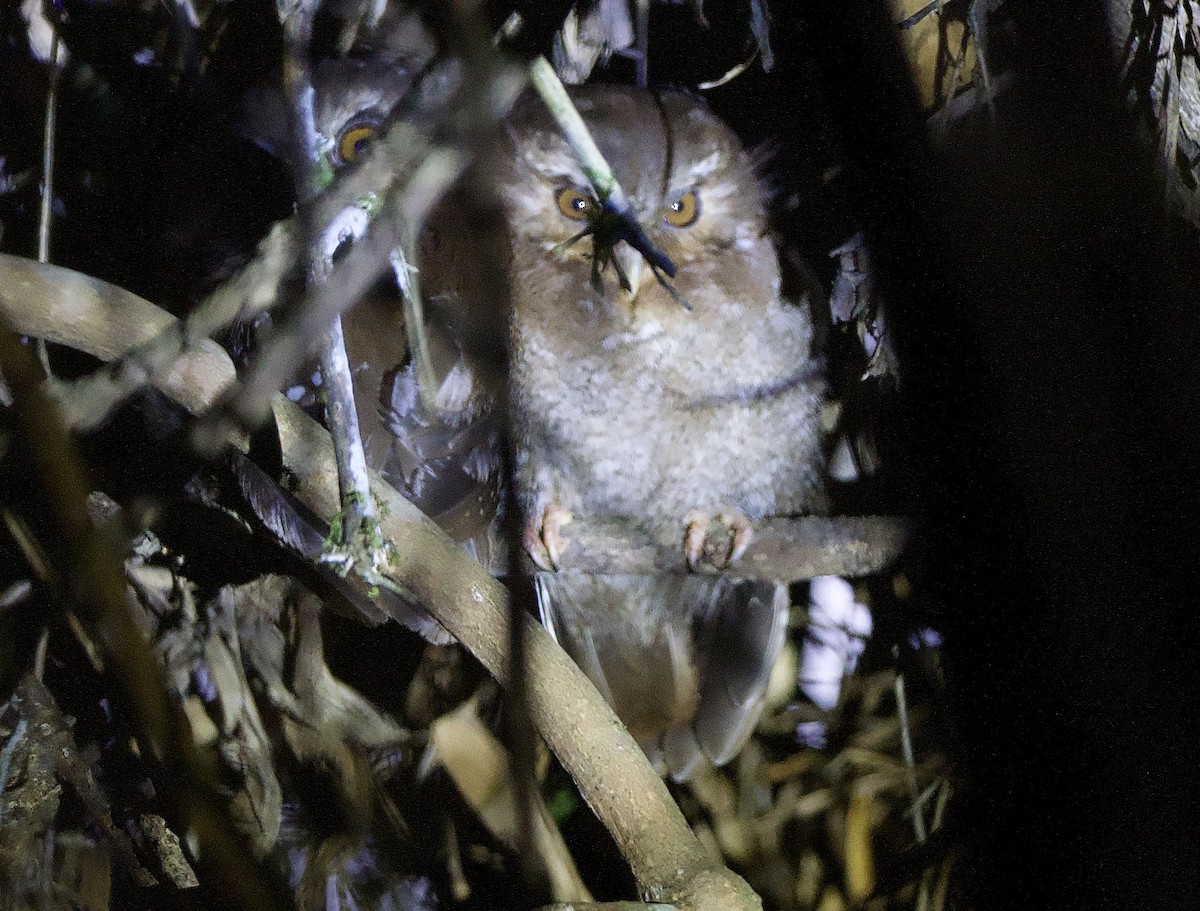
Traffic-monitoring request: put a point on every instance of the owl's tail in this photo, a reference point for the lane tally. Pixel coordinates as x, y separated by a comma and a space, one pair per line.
683, 660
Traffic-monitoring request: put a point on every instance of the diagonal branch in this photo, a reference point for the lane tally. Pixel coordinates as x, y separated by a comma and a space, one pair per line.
610, 769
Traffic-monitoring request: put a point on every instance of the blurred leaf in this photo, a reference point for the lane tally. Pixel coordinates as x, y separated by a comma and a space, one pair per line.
860, 858
478, 765
562, 805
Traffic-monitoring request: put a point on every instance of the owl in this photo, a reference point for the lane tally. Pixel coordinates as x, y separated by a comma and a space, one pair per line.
625, 396
445, 460
666, 404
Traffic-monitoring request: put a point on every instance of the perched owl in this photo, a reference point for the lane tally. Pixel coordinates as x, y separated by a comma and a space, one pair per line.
446, 462
627, 398
662, 404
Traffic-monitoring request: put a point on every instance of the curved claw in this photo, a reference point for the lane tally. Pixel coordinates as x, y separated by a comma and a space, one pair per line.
697, 524
743, 534
543, 537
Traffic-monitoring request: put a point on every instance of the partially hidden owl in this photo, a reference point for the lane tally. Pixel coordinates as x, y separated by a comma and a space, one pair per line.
447, 461
663, 405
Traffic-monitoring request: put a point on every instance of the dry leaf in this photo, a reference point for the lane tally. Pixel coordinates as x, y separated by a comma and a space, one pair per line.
860, 858
479, 767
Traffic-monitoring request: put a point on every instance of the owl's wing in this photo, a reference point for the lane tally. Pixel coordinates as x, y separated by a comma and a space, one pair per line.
447, 461
683, 660
739, 633
632, 636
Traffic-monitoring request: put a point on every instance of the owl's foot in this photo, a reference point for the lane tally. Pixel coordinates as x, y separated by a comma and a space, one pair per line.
543, 536
696, 533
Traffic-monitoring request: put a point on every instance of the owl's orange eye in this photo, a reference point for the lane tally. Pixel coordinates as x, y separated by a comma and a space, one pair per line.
684, 211
353, 140
575, 204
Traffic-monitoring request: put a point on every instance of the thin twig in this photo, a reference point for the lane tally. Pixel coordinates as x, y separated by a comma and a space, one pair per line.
955, 76
39, 654
408, 281
730, 74
920, 14
977, 19
481, 67
910, 772
47, 870
47, 208
337, 389
46, 212
358, 511
643, 43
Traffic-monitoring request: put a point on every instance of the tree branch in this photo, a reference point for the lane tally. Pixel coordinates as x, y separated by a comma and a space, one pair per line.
609, 768
107, 322
784, 550
93, 316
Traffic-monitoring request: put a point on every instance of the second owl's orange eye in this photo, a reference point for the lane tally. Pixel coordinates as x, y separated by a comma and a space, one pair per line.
575, 204
352, 142
684, 211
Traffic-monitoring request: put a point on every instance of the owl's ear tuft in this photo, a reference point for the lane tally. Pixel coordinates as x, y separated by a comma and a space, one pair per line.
765, 167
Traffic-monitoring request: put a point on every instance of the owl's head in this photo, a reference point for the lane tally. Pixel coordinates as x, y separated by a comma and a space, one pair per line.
692, 185
351, 100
